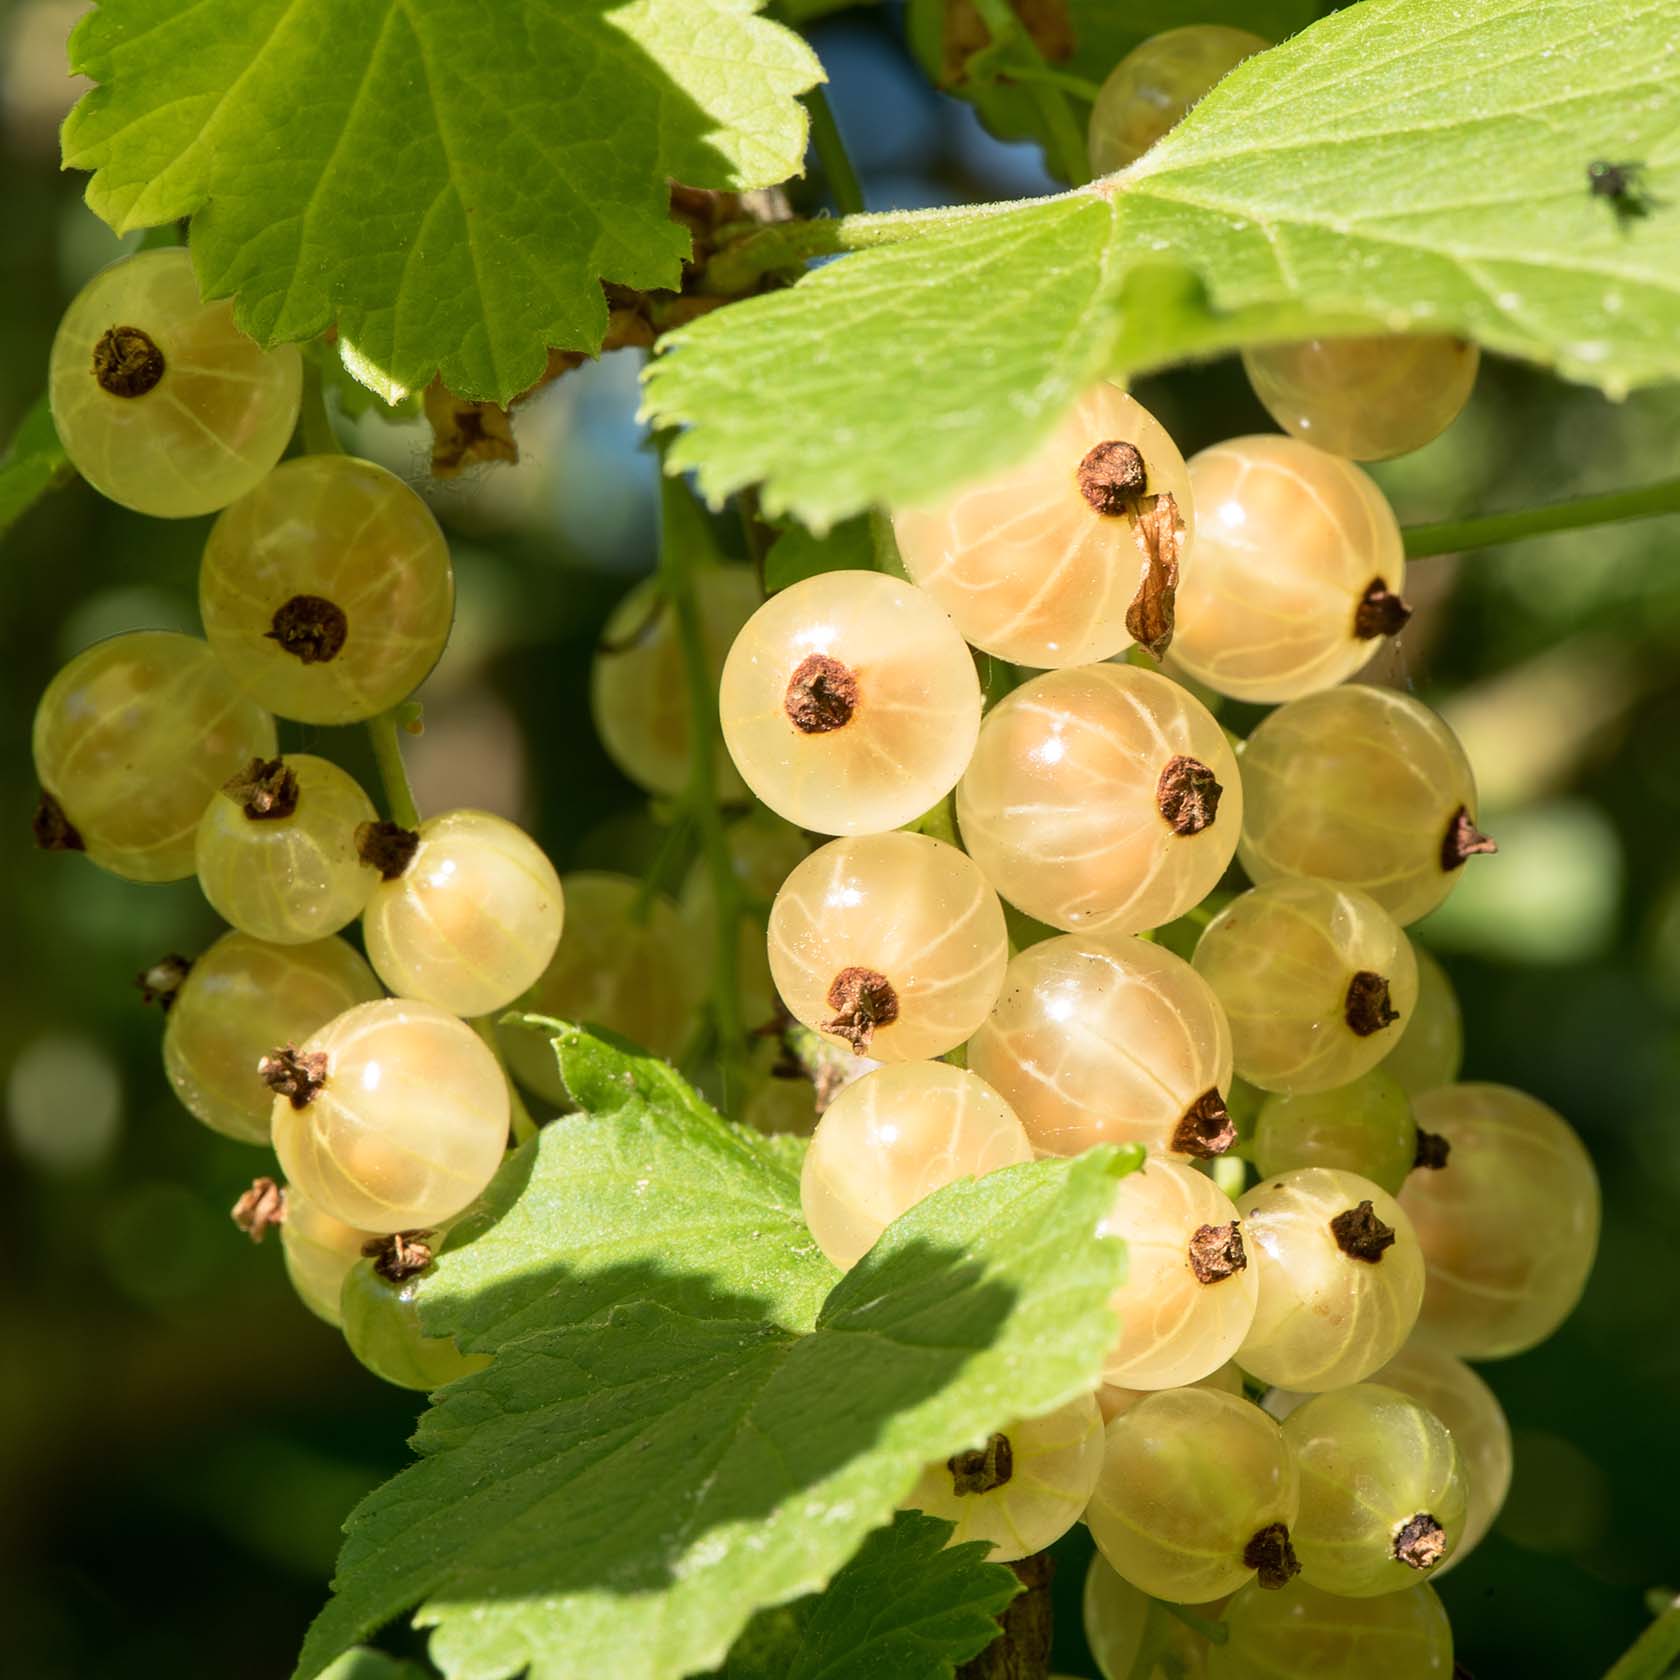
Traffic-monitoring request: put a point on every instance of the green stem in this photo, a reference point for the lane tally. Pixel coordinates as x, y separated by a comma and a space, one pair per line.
836, 161
1080, 87
524, 1127
314, 418
1013, 40
393, 774
1453, 536
1654, 1652
1217, 1632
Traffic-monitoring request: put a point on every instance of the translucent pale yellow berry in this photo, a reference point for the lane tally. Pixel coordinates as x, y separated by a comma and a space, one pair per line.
1189, 1296
319, 1253
1197, 1492
893, 1137
1115, 1615
473, 919
625, 964
1152, 87
132, 739
1364, 787
1098, 1038
1468, 1407
1314, 979
1365, 1127
1318, 1636
1041, 564
1022, 1488
382, 1325
849, 703
1366, 398
328, 590
1509, 1225
1297, 575
1341, 1278
1383, 1490
638, 686
276, 849
1430, 1049
893, 943
1112, 1399
1101, 797
238, 1001
161, 402
404, 1117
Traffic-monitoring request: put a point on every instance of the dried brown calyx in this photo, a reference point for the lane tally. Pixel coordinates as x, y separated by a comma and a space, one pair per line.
160, 981
1205, 1128
1380, 612
126, 362
862, 1000
263, 1205
403, 1254
1463, 840
310, 628
1112, 477
1432, 1150
1216, 1252
1159, 532
1187, 795
266, 790
1272, 1558
1360, 1235
1367, 1008
1421, 1542
54, 832
982, 1468
294, 1074
386, 846
821, 695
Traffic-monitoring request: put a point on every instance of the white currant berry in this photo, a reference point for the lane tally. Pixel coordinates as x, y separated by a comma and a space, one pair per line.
381, 1323
1302, 1631
1430, 1050
1113, 1399
1364, 1127
319, 1252
1102, 797
161, 402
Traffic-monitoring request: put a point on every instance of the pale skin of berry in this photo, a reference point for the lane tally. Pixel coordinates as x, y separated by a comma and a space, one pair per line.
1281, 959
624, 964
1061, 804
908, 907
289, 879
1054, 1464
1112, 1399
1163, 1519
1152, 87
1365, 1127
1025, 566
1366, 398
1102, 1039
1431, 1047
410, 1125
1325, 1317
1288, 540
1509, 1226
892, 1138
1174, 1328
916, 715
638, 693
319, 1252
1359, 786
350, 533
1371, 1459
1118, 1621
242, 999
212, 426
381, 1322
1469, 1408
473, 920
134, 737
1302, 1631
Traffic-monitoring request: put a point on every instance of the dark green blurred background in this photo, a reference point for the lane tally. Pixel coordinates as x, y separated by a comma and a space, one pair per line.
179, 1439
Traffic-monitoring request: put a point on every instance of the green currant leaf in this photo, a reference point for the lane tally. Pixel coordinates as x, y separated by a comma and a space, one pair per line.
33, 464
1403, 164
688, 1418
365, 1664
449, 183
904, 1606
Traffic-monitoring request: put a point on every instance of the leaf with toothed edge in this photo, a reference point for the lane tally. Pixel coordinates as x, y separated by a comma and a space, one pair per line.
1403, 164
687, 1418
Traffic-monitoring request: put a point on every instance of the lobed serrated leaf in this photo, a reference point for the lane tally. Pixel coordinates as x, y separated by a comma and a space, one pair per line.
1403, 164
450, 183
34, 463
682, 1423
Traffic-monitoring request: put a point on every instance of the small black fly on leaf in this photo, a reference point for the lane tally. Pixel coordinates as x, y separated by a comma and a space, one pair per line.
1623, 185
